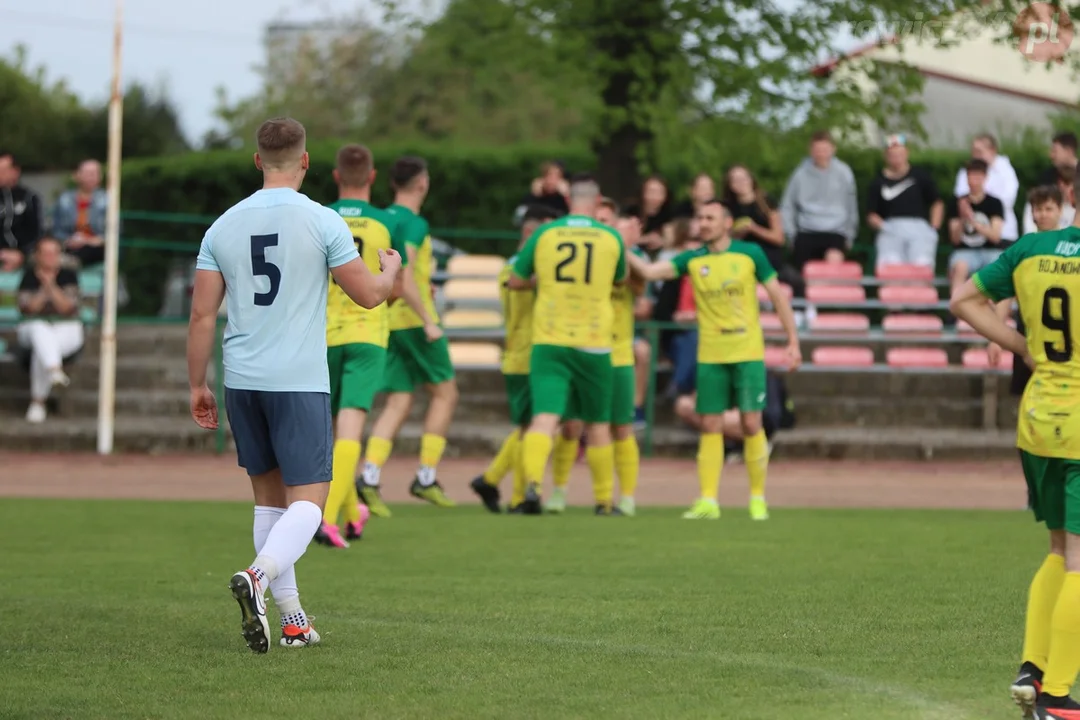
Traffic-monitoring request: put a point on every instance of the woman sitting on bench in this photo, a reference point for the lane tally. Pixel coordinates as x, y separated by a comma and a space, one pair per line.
51, 330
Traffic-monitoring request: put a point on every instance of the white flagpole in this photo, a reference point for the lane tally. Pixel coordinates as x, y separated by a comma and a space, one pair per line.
107, 377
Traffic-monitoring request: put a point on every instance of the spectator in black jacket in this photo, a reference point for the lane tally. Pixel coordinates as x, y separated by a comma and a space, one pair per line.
21, 217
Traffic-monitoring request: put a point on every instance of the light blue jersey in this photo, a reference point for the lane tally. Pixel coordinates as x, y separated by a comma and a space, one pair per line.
274, 249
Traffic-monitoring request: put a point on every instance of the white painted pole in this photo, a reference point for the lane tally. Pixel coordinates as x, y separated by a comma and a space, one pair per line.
107, 377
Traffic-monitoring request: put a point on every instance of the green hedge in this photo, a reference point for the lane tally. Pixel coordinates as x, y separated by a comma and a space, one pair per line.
471, 189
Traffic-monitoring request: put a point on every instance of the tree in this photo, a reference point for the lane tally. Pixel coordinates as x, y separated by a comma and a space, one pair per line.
151, 126
479, 75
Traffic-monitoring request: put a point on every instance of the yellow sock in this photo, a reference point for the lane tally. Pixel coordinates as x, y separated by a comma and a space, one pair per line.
1043, 595
602, 468
562, 460
627, 465
346, 456
378, 451
504, 460
431, 450
1063, 663
536, 447
517, 495
756, 456
351, 510
710, 461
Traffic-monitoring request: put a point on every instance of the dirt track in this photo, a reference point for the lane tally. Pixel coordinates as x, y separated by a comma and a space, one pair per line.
975, 485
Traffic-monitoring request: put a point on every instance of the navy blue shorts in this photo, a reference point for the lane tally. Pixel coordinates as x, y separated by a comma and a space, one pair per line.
288, 430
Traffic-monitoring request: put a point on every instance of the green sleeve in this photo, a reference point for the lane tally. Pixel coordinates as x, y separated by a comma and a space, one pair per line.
524, 264
620, 267
995, 281
415, 231
397, 239
763, 269
682, 261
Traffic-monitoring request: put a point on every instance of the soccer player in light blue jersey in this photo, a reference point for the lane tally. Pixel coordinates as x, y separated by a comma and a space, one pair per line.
268, 257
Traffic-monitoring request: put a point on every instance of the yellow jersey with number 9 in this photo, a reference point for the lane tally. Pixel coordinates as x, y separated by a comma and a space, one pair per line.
1042, 271
347, 322
414, 233
576, 261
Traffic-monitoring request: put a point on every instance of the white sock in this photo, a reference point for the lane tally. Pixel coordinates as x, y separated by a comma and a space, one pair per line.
287, 540
292, 613
426, 476
371, 474
284, 587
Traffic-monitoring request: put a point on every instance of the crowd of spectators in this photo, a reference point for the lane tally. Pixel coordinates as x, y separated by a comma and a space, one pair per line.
48, 249
818, 219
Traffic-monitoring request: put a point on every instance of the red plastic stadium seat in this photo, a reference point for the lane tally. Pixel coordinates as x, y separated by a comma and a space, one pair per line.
770, 322
977, 359
905, 273
775, 357
841, 356
821, 271
915, 357
763, 296
853, 294
912, 323
908, 295
840, 323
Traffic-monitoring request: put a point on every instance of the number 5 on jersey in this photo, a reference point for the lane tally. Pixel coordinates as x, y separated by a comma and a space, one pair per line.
261, 267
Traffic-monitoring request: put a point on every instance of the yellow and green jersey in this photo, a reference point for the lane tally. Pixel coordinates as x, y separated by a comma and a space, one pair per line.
346, 322
1042, 271
415, 233
517, 308
725, 293
622, 306
576, 261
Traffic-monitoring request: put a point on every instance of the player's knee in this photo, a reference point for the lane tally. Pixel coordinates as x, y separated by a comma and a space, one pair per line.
572, 429
751, 423
642, 351
399, 403
545, 424
712, 424
598, 434
446, 391
685, 408
622, 432
1057, 542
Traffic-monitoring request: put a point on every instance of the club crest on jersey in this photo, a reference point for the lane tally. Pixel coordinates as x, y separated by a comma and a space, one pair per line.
704, 271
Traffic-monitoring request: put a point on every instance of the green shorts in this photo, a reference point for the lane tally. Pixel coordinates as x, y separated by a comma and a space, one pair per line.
517, 395
411, 360
722, 386
565, 378
356, 374
622, 398
1053, 491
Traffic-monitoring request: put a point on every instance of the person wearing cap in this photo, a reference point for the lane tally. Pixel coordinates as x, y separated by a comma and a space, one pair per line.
904, 209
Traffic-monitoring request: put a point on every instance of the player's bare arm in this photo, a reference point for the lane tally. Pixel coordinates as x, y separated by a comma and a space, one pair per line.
971, 306
660, 270
787, 321
516, 282
364, 287
206, 299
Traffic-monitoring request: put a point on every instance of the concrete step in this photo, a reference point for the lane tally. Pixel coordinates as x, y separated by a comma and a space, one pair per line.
132, 373
76, 402
141, 340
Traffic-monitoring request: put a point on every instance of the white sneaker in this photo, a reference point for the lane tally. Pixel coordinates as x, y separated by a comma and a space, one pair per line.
247, 591
557, 502
36, 413
627, 506
59, 378
295, 637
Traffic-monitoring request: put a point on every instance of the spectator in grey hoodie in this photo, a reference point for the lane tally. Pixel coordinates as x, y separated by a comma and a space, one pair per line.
820, 207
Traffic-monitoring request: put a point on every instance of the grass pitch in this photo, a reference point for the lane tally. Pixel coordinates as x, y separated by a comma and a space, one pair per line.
120, 610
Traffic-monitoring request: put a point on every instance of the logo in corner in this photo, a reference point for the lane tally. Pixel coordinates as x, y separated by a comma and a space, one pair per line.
1043, 32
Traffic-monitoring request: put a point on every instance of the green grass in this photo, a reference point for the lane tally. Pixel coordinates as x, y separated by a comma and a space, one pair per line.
120, 610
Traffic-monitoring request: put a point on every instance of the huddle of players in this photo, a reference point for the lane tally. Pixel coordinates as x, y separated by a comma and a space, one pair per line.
567, 299
1041, 272
393, 347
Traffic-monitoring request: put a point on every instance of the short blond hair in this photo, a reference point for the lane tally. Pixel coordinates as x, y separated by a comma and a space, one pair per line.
281, 142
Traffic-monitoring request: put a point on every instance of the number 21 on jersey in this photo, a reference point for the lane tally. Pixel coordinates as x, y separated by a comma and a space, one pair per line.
566, 271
